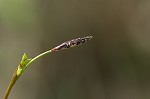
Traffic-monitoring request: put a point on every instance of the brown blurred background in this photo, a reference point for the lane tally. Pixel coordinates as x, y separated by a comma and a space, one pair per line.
115, 64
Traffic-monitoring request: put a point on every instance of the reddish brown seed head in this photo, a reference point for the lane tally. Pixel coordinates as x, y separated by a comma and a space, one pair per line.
72, 43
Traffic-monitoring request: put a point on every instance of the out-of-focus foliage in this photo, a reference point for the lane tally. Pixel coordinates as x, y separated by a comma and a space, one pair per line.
18, 14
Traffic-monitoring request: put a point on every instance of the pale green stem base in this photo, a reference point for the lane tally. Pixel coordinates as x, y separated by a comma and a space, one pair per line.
15, 76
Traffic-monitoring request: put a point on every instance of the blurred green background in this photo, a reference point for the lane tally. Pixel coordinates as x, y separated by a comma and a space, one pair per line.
115, 64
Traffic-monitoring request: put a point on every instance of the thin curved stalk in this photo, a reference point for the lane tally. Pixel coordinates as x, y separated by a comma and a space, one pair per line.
15, 76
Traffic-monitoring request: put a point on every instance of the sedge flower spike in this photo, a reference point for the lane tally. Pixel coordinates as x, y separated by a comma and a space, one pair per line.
25, 62
72, 43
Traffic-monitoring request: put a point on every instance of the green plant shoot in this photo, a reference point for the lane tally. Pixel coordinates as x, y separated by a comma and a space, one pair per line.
25, 61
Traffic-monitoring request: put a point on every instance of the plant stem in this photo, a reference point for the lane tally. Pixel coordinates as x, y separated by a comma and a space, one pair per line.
35, 58
15, 77
12, 82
